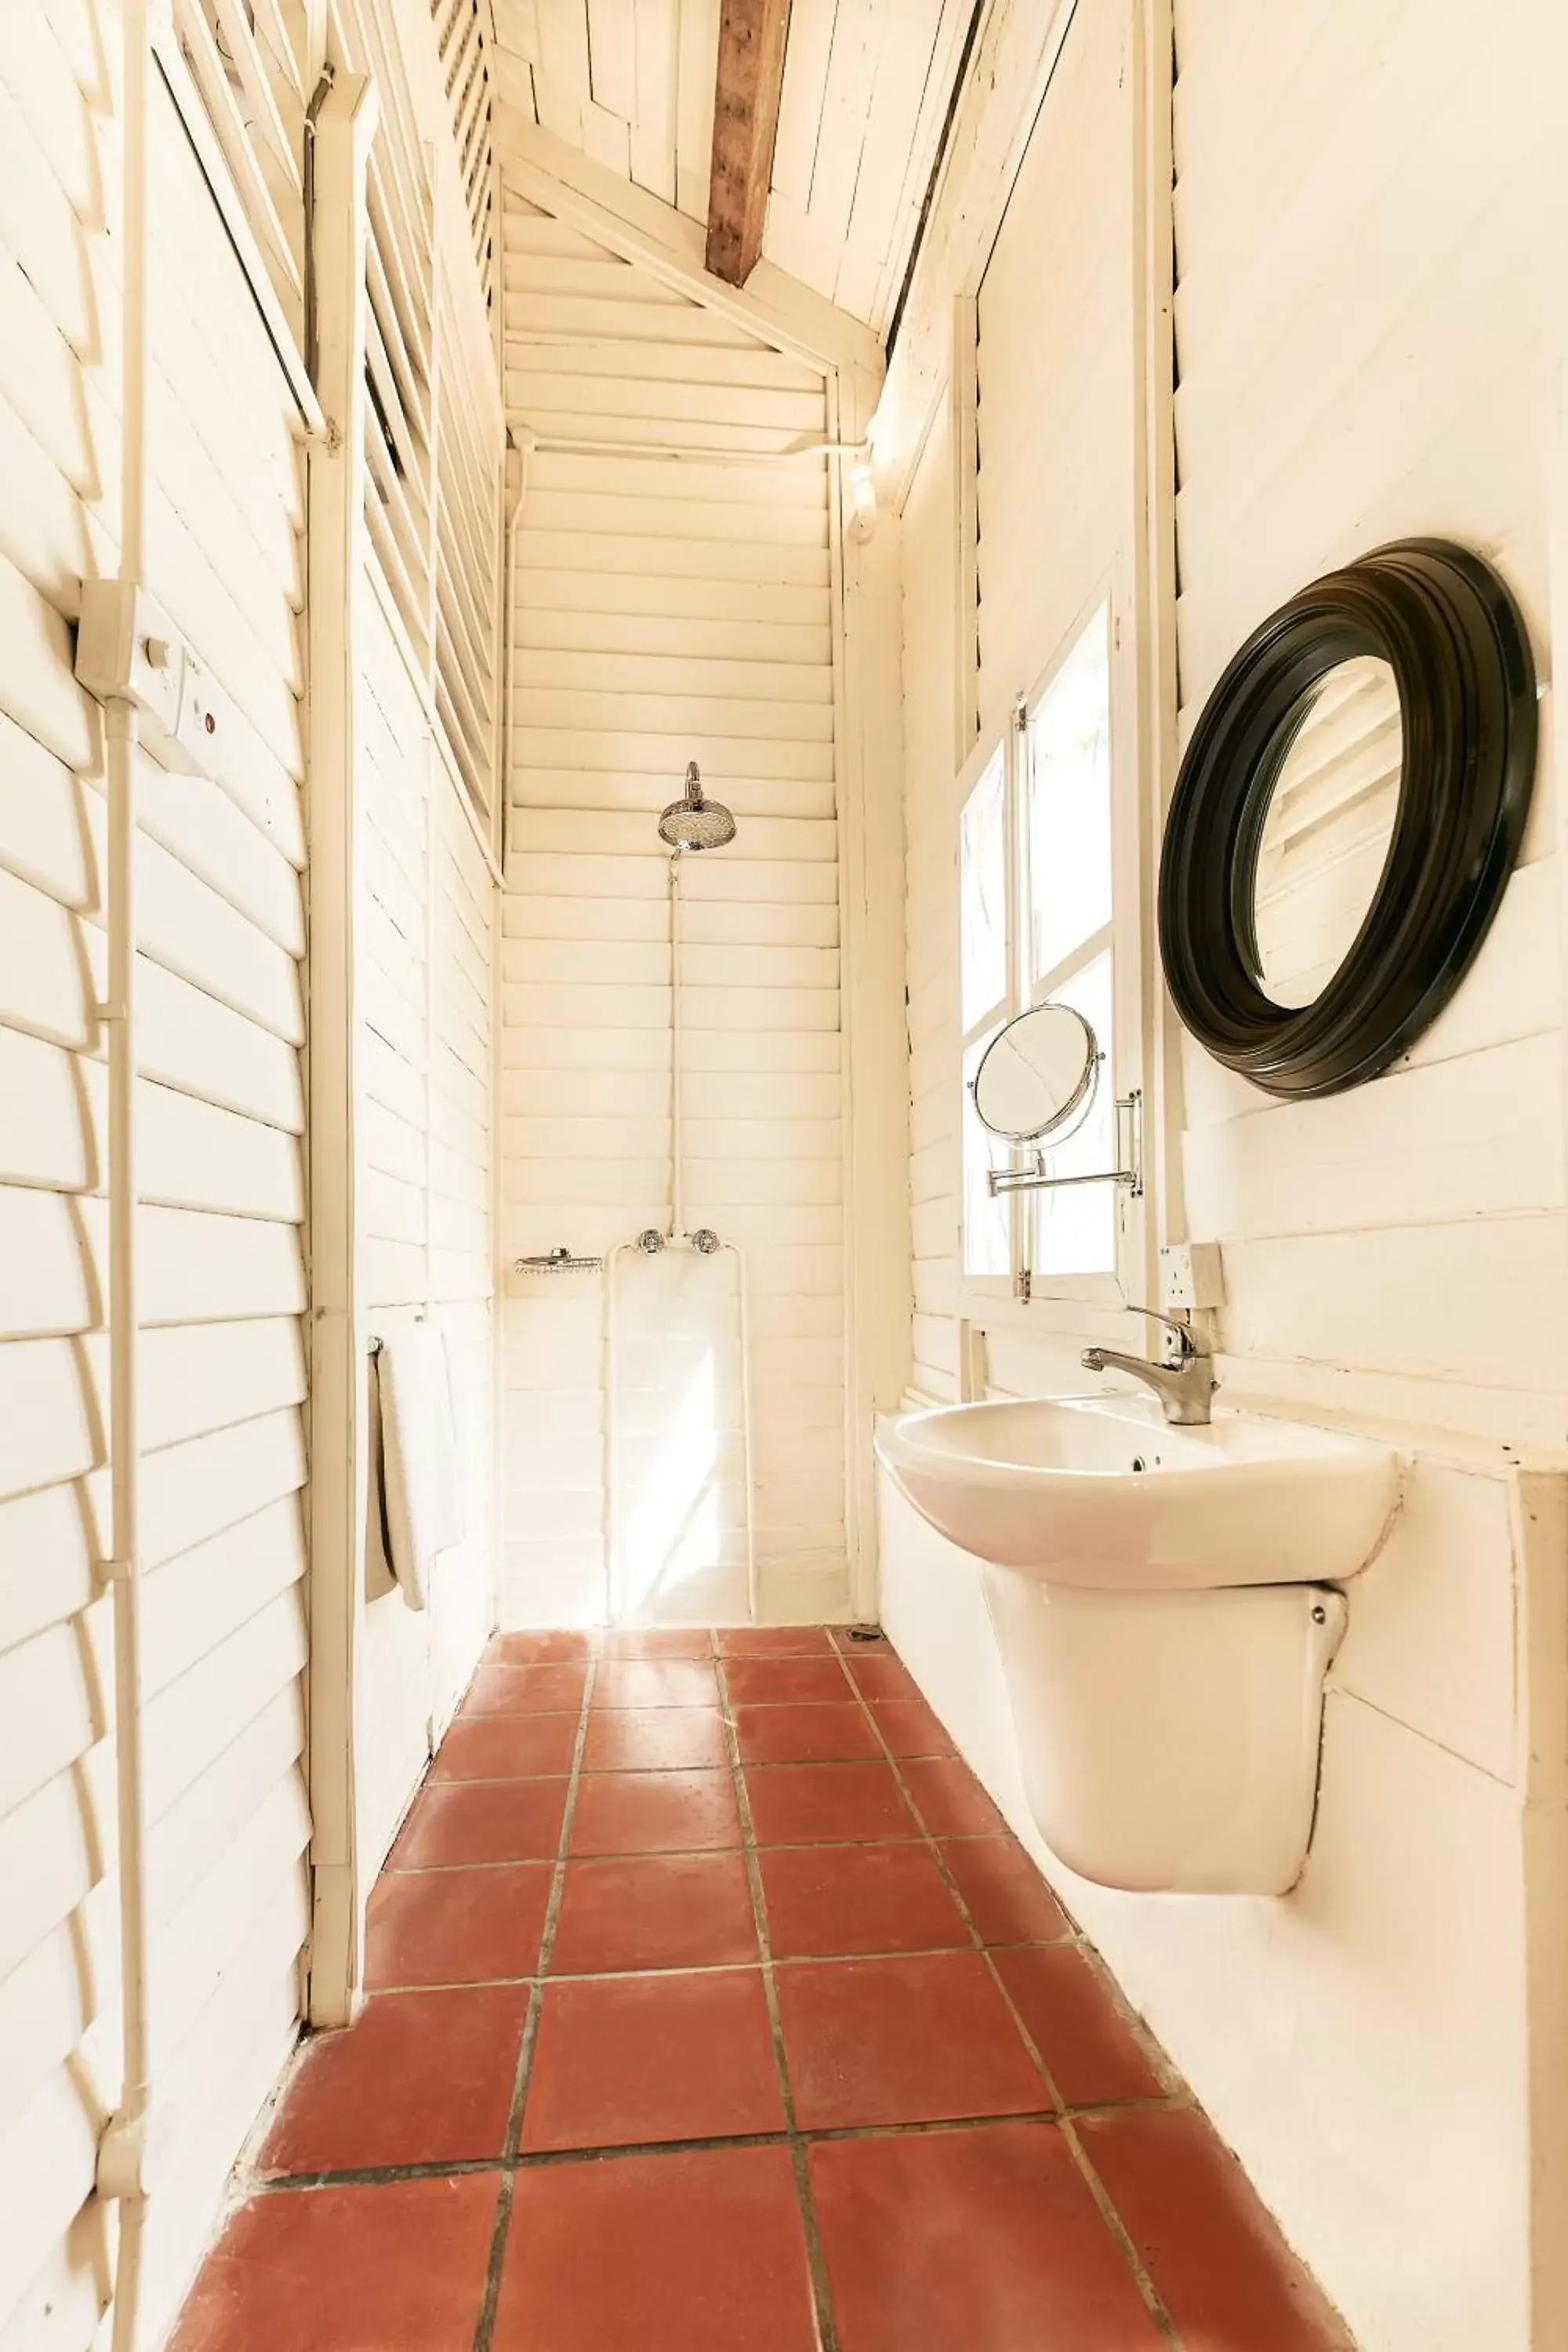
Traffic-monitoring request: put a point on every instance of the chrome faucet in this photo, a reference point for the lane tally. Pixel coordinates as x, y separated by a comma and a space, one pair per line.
1184, 1383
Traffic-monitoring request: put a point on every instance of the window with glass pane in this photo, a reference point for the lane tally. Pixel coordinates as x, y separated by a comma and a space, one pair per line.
983, 893
1070, 804
1034, 895
987, 1223
1075, 1229
1067, 796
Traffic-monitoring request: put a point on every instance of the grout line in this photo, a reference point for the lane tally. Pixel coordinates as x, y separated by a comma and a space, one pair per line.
673, 1852
645, 1772
484, 2329
1080, 2153
737, 1968
546, 2158
817, 2265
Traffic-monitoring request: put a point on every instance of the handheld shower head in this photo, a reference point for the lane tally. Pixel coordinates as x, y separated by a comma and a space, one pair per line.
694, 823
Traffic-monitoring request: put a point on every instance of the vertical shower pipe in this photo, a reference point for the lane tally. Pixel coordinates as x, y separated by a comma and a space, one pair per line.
122, 2169
677, 1156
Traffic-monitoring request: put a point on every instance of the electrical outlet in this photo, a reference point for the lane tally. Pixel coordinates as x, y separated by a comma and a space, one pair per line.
128, 650
1190, 1276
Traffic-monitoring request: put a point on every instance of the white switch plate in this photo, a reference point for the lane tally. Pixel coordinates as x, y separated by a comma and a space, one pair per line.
128, 649
1191, 1275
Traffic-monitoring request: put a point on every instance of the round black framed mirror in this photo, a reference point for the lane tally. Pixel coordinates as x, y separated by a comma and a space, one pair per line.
1347, 816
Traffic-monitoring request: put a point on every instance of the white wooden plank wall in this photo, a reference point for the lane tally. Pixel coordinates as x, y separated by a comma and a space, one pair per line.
1399, 1249
223, 1284
1052, 498
931, 831
1309, 431
424, 939
1055, 436
668, 610
1360, 356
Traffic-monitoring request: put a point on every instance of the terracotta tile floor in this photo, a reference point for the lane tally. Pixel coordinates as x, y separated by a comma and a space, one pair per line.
713, 2008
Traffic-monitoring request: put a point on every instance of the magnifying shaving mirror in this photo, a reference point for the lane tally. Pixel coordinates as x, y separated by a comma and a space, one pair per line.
1038, 1078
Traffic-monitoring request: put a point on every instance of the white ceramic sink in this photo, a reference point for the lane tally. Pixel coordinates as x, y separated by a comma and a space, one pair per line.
1100, 1492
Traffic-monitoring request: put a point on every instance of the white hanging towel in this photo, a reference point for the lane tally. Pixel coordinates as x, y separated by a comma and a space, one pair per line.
421, 1481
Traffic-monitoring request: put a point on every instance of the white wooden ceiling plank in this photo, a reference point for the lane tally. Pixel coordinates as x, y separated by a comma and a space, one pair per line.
697, 69
514, 82
558, 107
611, 56
517, 28
654, 114
607, 139
807, 59
564, 53
802, 245
796, 414
686, 477
909, 103
860, 42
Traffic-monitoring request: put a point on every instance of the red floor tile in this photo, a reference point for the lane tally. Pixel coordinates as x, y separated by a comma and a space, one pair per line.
655, 1641
902, 2041
668, 1911
971, 2235
975, 2240
911, 1727
506, 1747
1089, 2050
828, 1900
811, 1804
456, 1927
1216, 2258
876, 1674
526, 1690
623, 2060
773, 1641
542, 1649
949, 1800
481, 1821
784, 1681
805, 1735
655, 1682
1002, 1892
400, 2266
656, 1739
655, 1813
419, 2078
698, 2251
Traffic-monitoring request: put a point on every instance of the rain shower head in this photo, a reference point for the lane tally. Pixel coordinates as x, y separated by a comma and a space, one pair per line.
694, 823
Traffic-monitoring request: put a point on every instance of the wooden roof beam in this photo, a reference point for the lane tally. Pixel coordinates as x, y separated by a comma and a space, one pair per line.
745, 126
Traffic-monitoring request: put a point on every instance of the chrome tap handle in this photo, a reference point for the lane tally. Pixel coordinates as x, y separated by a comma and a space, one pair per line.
1190, 1343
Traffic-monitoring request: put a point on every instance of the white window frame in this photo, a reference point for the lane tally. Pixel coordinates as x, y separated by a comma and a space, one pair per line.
1027, 1297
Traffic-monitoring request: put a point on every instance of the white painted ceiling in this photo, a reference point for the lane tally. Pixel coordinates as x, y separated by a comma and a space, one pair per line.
866, 91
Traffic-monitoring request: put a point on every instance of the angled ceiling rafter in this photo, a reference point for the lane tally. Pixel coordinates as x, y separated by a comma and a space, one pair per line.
644, 229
